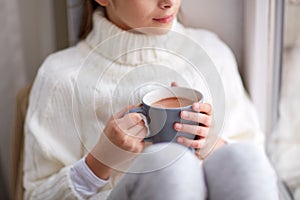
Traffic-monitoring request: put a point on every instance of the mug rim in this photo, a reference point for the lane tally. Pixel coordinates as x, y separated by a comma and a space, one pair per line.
199, 96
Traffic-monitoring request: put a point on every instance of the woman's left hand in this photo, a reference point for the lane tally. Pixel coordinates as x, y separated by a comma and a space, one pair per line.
203, 116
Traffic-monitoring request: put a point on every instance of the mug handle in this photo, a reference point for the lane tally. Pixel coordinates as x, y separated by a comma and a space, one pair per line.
136, 110
140, 110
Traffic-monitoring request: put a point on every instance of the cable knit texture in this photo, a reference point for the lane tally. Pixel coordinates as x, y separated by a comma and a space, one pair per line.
78, 89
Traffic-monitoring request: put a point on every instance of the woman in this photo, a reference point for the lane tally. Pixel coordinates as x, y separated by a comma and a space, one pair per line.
64, 155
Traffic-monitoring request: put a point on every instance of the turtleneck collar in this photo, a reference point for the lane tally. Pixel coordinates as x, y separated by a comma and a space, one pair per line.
127, 47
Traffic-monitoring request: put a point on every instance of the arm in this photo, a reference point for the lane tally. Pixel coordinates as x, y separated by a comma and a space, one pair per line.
51, 142
53, 145
120, 142
241, 122
98, 168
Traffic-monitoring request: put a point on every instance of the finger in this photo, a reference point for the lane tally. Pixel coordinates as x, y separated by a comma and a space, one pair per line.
132, 145
203, 108
142, 134
137, 144
134, 130
192, 129
196, 117
127, 143
129, 121
174, 84
196, 144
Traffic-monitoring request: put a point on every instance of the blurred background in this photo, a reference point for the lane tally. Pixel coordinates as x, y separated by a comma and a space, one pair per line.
263, 34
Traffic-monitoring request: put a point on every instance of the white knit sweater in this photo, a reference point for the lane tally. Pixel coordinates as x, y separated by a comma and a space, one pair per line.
76, 92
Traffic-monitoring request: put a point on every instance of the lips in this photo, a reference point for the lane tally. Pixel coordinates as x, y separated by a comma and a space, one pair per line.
165, 19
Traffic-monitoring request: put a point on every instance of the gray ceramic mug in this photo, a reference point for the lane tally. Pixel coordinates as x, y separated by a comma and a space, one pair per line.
160, 120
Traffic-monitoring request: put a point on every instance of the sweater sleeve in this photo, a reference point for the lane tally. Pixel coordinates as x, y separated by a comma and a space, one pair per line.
85, 182
241, 119
52, 144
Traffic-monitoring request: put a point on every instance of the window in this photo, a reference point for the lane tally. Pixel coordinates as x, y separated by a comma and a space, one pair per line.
284, 146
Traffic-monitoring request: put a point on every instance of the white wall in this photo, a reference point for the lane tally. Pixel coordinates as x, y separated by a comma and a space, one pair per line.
224, 17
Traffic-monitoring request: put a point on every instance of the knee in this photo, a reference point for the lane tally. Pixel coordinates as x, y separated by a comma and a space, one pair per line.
164, 155
168, 166
238, 152
240, 157
241, 170
169, 154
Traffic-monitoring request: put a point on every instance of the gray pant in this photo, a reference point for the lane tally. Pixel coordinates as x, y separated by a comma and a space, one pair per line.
233, 172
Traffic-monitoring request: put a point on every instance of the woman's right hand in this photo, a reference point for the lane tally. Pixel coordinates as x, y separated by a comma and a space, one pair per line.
120, 142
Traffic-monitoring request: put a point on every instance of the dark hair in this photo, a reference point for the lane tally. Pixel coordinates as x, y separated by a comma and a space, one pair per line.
86, 23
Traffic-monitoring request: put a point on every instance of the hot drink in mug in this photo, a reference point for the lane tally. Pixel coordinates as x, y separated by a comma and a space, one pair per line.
162, 107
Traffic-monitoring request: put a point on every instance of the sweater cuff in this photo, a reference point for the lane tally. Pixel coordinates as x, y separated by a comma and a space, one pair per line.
85, 182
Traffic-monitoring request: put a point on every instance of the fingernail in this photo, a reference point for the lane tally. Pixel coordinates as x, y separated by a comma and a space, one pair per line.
179, 140
184, 114
178, 126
